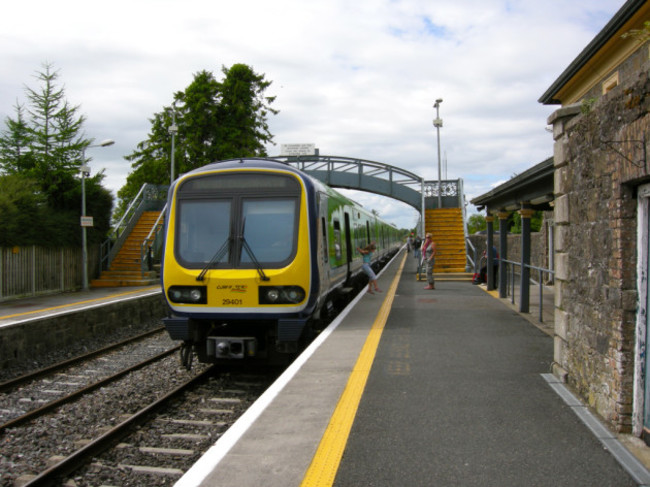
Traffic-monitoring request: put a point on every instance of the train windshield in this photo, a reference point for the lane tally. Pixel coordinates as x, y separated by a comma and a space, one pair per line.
204, 226
268, 226
241, 220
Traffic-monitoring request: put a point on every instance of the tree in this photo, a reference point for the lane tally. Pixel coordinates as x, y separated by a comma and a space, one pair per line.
514, 222
15, 153
56, 138
476, 223
21, 210
243, 112
43, 145
216, 121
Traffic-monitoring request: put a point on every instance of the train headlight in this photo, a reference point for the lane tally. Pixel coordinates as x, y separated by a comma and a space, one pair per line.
188, 294
281, 294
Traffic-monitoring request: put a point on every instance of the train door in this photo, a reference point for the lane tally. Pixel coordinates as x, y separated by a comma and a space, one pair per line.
348, 246
323, 243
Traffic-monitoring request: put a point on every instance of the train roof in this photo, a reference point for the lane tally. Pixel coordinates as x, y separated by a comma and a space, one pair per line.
263, 163
258, 163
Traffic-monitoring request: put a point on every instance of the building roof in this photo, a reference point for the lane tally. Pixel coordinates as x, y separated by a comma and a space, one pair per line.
625, 13
534, 186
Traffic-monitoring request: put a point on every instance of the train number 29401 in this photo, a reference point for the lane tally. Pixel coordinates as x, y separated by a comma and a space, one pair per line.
231, 302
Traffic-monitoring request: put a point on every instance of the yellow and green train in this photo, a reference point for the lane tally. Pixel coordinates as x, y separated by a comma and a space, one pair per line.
256, 253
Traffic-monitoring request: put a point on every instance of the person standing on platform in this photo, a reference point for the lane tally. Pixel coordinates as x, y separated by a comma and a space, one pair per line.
429, 259
367, 252
417, 242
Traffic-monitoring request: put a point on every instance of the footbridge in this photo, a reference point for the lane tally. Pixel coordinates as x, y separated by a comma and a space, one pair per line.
379, 178
441, 204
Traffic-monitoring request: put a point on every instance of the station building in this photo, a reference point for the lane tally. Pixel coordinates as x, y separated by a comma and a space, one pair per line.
602, 221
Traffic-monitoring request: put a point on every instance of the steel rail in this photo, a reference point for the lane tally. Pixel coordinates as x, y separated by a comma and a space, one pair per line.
35, 413
15, 382
80, 457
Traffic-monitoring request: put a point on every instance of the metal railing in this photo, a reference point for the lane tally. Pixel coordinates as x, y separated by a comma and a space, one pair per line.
150, 197
152, 244
472, 260
511, 280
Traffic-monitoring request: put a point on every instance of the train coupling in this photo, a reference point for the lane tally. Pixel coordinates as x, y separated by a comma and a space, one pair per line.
231, 347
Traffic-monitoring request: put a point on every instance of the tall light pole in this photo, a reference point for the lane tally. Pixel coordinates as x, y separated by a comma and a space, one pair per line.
437, 123
85, 171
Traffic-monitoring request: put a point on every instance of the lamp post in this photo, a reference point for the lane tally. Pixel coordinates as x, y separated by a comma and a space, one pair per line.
85, 171
437, 123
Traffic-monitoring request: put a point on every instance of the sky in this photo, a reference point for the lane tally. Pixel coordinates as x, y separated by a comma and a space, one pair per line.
356, 78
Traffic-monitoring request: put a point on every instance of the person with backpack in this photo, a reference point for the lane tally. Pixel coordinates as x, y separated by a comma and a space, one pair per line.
417, 242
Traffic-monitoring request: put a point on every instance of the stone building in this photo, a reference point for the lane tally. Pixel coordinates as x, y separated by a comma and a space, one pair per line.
602, 221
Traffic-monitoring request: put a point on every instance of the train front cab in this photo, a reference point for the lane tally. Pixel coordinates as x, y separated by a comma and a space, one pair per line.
237, 268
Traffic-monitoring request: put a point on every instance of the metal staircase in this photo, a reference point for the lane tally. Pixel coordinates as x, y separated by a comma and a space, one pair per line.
447, 228
128, 257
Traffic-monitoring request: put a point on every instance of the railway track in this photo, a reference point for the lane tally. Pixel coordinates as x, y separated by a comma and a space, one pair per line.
33, 375
158, 442
143, 426
164, 415
162, 441
38, 411
31, 395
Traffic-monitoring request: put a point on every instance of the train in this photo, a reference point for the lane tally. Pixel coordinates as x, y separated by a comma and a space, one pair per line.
256, 256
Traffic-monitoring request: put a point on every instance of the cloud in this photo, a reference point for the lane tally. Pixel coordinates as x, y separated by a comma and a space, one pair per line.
358, 79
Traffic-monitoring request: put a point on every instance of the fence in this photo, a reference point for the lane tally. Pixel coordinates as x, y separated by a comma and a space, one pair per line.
30, 271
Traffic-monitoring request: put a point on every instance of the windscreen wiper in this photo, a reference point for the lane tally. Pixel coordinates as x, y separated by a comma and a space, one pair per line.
215, 258
248, 249
255, 261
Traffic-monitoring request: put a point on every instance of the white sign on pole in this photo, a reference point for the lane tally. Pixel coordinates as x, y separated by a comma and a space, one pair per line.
86, 221
297, 149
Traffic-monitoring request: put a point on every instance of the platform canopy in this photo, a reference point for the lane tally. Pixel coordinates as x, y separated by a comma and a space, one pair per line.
532, 188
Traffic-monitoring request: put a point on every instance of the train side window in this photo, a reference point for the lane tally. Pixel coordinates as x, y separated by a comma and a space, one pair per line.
337, 240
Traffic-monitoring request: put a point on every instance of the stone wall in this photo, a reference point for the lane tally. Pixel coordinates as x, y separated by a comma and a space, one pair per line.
40, 336
597, 167
539, 244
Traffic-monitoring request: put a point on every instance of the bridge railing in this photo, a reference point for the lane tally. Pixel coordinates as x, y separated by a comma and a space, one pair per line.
450, 191
361, 174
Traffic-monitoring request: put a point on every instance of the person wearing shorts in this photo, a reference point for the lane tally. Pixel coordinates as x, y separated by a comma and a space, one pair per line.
367, 252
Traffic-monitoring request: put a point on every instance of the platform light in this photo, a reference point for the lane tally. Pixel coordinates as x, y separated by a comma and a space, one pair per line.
437, 123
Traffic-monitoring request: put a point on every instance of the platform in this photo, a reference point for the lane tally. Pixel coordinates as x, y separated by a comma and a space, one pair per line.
35, 326
449, 387
23, 309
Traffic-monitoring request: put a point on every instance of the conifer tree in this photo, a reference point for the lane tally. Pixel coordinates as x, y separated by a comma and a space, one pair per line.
15, 141
43, 146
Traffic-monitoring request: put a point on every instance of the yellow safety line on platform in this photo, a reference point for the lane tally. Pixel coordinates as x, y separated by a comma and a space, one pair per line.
325, 464
72, 304
494, 292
